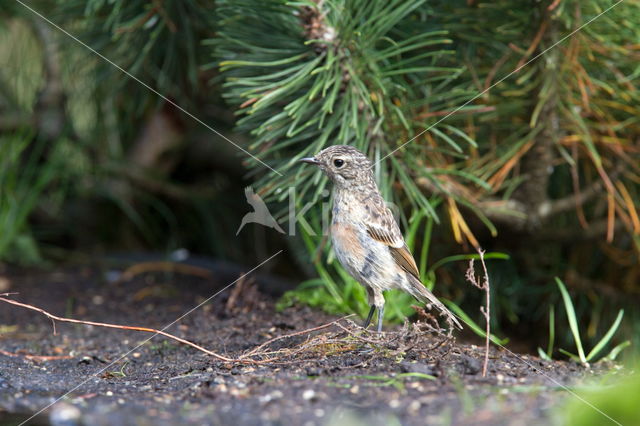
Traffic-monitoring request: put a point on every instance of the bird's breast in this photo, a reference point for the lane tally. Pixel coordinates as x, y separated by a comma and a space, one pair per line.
368, 261
346, 242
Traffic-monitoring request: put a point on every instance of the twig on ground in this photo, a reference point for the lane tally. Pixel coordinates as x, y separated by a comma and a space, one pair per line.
162, 266
249, 357
35, 357
256, 350
430, 322
358, 336
486, 310
121, 327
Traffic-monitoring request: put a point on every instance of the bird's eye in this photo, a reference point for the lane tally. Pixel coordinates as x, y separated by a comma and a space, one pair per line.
338, 162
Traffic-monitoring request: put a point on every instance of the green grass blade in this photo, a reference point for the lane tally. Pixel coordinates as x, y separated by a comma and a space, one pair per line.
574, 357
414, 225
552, 330
543, 355
462, 134
446, 138
424, 251
616, 351
571, 316
472, 325
417, 375
457, 257
603, 342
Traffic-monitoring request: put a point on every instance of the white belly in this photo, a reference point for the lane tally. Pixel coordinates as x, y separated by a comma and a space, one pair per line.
366, 259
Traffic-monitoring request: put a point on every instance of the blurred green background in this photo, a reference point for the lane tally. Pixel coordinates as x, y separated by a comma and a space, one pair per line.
524, 141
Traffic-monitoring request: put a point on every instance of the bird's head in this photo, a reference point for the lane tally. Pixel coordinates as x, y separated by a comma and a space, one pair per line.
343, 164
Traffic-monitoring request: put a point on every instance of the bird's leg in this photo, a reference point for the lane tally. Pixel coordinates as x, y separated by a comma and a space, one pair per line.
371, 295
380, 317
368, 320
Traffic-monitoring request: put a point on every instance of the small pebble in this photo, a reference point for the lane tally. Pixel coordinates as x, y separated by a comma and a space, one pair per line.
180, 255
63, 414
416, 367
5, 284
469, 365
313, 372
113, 276
308, 394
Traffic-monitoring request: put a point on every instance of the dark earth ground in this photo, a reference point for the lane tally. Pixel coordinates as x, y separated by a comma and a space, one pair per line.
329, 377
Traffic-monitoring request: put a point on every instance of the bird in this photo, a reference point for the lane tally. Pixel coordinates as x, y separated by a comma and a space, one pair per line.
365, 236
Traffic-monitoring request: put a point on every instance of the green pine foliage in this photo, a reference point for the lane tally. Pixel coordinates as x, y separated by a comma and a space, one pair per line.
156, 41
305, 75
567, 123
514, 125
583, 86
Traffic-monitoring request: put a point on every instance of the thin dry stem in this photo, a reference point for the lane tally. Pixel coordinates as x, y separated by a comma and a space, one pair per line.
120, 327
36, 358
486, 310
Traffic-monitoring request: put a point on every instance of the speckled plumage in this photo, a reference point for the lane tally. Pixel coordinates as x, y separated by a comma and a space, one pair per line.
365, 236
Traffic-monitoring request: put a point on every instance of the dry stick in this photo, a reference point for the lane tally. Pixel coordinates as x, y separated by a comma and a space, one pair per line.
35, 357
163, 266
243, 358
486, 310
121, 327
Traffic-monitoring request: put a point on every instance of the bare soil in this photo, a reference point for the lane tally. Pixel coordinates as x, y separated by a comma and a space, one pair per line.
337, 375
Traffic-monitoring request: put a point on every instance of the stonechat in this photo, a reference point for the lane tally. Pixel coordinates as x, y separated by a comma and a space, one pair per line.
366, 237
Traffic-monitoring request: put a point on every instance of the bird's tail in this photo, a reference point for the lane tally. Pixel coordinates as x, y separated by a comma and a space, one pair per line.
420, 292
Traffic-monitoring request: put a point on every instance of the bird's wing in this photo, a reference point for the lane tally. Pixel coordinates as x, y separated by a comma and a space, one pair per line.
382, 227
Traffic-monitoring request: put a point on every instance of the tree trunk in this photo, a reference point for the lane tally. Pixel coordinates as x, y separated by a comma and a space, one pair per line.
537, 164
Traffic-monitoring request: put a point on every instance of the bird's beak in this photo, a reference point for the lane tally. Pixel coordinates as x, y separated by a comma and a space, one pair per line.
310, 160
